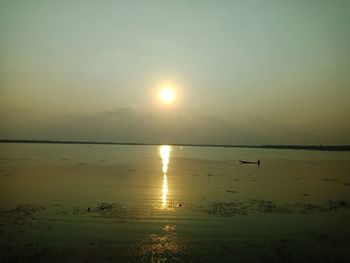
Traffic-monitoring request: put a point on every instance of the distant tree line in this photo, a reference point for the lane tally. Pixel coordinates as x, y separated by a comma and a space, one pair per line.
292, 147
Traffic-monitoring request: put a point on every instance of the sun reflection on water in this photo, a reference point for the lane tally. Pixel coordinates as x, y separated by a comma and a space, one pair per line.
164, 151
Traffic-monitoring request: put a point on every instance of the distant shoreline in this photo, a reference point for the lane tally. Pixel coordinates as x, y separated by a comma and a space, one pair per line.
288, 147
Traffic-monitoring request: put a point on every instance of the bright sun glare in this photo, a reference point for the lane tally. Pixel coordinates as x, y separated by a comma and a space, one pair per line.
167, 94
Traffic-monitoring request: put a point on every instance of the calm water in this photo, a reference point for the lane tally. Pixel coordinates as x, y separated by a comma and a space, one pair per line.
82, 203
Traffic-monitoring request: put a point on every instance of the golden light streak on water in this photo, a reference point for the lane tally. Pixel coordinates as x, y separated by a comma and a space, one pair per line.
165, 191
164, 151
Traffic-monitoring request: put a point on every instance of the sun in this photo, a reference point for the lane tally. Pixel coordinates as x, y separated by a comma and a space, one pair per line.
167, 94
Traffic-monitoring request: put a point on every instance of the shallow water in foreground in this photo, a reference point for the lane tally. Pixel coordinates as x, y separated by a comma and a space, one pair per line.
81, 203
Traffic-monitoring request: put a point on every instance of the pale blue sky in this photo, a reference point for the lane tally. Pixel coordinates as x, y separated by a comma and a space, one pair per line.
248, 71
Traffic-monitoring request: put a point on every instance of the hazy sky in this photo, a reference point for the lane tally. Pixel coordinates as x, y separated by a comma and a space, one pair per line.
246, 72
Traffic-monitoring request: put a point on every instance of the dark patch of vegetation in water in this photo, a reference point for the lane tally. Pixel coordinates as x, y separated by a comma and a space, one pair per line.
19, 217
113, 211
269, 207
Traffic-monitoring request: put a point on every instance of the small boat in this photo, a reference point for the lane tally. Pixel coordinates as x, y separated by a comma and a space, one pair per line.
247, 162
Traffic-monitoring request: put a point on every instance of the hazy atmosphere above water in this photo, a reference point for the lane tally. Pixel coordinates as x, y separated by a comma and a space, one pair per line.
244, 72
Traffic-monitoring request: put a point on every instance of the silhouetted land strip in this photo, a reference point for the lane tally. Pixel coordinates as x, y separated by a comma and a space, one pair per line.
291, 147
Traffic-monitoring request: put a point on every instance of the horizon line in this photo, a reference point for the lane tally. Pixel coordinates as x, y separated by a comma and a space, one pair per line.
262, 146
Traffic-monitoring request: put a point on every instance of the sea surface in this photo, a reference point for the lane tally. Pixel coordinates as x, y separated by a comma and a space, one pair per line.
114, 203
